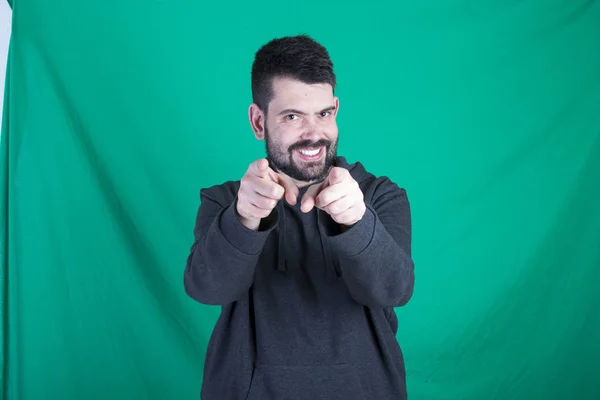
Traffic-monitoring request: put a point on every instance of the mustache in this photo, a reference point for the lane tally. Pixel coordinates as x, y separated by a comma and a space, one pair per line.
304, 144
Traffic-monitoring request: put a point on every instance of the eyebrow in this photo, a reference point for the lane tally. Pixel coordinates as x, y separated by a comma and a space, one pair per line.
294, 111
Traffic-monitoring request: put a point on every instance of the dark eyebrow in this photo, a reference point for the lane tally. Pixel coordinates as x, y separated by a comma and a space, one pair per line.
330, 108
292, 111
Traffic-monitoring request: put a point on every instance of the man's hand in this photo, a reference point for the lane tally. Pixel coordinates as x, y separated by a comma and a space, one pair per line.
260, 191
338, 195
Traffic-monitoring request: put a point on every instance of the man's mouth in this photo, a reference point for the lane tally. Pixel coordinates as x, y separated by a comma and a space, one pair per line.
310, 154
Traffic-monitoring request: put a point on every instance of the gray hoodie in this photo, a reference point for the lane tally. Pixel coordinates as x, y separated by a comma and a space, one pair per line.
306, 311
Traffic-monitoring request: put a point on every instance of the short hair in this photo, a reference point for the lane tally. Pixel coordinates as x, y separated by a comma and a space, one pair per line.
296, 57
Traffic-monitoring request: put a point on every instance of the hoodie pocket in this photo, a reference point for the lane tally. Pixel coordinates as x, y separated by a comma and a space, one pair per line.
329, 382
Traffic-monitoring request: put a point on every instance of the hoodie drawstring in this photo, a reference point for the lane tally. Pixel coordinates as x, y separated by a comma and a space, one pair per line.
282, 228
331, 268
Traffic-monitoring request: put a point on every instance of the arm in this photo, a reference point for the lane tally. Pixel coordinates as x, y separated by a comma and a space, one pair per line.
222, 260
375, 253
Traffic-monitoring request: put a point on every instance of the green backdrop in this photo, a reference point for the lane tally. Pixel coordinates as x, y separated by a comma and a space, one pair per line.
116, 114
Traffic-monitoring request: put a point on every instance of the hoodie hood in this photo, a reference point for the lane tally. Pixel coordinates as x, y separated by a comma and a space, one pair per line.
358, 172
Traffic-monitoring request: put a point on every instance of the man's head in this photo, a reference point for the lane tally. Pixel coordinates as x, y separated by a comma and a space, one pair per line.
294, 107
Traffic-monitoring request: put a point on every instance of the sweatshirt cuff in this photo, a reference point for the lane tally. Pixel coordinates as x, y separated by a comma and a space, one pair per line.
246, 240
357, 238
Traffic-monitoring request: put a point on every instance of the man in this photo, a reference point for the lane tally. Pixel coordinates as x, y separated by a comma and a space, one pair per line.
307, 254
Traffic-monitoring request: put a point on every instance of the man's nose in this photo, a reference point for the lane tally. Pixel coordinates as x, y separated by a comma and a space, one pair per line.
311, 130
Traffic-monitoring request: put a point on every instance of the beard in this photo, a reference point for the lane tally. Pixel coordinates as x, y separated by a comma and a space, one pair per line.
281, 160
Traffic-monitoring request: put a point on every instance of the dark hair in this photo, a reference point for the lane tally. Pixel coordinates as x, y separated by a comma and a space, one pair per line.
297, 57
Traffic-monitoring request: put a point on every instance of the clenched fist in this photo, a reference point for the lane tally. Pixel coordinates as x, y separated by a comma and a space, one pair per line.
260, 191
339, 196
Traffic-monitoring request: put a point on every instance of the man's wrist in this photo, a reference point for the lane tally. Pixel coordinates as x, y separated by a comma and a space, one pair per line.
345, 227
250, 223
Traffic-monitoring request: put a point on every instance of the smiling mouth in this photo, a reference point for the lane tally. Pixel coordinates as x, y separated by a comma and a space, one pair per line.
310, 154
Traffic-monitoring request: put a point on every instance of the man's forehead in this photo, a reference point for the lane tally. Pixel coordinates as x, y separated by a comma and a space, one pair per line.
288, 93
281, 84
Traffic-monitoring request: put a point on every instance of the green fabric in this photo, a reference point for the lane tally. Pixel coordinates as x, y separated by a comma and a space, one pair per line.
116, 114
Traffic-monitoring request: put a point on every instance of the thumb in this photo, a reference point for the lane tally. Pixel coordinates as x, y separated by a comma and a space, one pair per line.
261, 167
309, 198
263, 164
336, 175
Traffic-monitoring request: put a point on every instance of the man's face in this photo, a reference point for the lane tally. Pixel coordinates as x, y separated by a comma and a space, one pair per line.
300, 130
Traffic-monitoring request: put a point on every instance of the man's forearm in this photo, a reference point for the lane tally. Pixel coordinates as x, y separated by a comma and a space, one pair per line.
376, 269
221, 264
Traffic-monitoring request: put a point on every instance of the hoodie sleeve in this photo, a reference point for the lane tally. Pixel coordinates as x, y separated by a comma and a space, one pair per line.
222, 260
375, 253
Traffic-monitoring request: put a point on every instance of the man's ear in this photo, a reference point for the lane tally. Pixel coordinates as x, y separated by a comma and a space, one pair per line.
258, 121
336, 103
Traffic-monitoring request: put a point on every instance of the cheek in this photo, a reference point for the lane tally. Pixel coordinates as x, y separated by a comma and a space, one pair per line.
331, 130
289, 134
283, 139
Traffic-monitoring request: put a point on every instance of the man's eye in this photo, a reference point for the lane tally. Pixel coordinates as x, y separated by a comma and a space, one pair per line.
325, 114
291, 117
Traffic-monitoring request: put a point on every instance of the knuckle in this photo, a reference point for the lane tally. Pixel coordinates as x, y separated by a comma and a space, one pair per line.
276, 192
267, 204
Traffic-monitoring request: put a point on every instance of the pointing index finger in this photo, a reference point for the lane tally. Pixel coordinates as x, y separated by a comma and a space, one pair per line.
309, 198
291, 190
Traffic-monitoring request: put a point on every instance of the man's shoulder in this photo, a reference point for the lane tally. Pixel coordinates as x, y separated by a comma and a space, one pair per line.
222, 193
371, 184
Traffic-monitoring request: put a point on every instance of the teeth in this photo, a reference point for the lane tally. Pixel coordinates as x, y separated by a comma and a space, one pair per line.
310, 153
